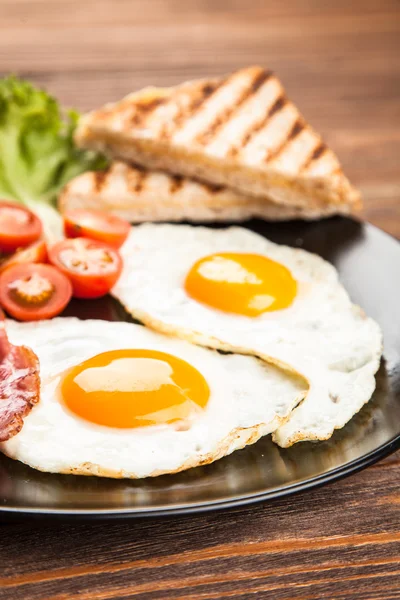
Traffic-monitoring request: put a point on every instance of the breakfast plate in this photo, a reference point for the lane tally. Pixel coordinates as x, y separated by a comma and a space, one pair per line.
367, 261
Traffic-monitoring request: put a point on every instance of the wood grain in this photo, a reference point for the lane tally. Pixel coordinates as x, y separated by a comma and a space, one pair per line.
341, 541
340, 62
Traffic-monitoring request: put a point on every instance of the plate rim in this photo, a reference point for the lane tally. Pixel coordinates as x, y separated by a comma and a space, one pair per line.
330, 476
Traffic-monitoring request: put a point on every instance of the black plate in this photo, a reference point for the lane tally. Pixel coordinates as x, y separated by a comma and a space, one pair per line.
369, 265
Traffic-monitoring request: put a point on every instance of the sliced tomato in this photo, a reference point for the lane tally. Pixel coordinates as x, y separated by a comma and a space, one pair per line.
92, 267
35, 253
31, 292
96, 225
19, 227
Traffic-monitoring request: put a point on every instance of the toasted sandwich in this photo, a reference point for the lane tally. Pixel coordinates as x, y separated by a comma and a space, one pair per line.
240, 131
138, 195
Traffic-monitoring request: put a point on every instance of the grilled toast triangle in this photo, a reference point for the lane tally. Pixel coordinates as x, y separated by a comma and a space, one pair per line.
138, 195
240, 131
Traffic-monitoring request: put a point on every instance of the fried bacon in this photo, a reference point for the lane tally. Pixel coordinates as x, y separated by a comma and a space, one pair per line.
19, 384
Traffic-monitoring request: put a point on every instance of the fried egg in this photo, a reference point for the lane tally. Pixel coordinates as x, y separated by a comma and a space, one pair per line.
120, 400
232, 289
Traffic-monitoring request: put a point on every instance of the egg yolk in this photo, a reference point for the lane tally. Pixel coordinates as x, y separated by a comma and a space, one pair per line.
134, 388
244, 284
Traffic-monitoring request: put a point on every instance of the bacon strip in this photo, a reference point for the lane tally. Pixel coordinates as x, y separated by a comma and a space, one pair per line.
19, 384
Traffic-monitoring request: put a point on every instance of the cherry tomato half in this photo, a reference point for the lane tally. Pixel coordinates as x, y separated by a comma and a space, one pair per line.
31, 292
92, 267
35, 253
96, 225
19, 227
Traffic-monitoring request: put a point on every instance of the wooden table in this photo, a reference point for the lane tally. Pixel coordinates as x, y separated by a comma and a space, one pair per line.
340, 62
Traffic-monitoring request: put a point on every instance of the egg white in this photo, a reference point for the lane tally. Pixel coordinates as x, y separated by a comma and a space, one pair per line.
322, 335
248, 399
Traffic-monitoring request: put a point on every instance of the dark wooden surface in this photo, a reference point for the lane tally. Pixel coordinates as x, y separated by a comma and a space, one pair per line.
340, 62
341, 541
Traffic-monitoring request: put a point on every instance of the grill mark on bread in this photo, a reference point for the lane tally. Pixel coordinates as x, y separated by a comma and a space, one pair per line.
207, 91
212, 188
256, 127
100, 180
296, 129
136, 166
136, 179
259, 79
186, 113
175, 184
318, 151
277, 106
141, 110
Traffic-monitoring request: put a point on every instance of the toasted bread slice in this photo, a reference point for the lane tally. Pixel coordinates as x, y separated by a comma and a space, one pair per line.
240, 131
138, 195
